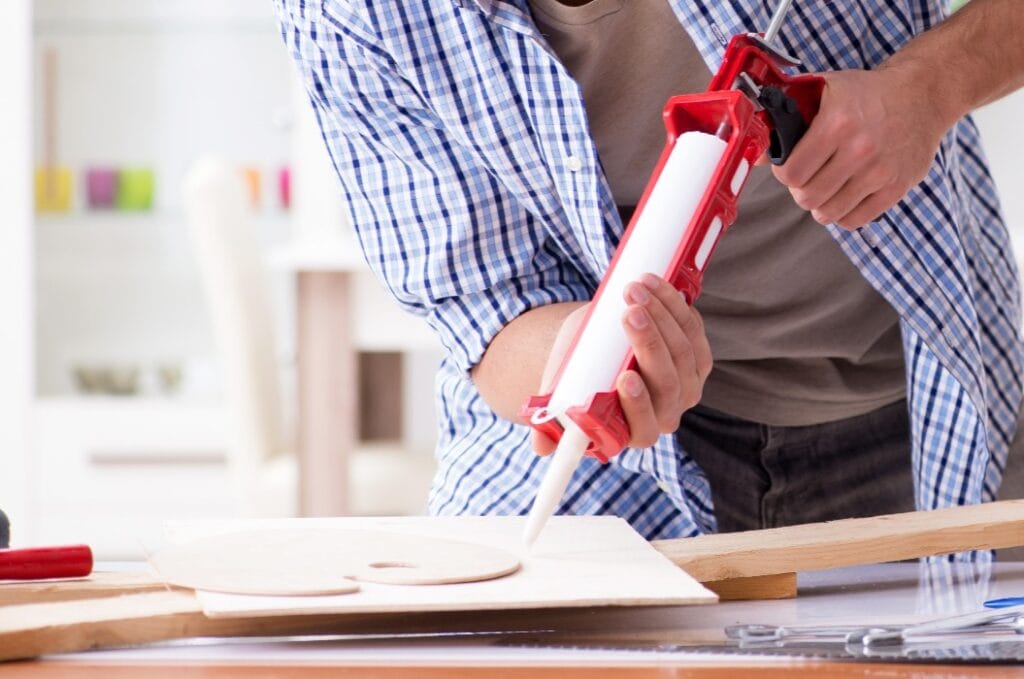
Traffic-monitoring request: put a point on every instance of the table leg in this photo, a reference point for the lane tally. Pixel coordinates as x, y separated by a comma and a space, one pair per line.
327, 390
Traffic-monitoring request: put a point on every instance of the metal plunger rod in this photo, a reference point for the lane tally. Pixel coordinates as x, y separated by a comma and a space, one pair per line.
776, 23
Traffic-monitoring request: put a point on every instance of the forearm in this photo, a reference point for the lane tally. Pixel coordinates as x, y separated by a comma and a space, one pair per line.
511, 368
973, 58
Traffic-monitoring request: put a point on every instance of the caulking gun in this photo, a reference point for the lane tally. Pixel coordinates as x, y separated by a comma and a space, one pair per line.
749, 108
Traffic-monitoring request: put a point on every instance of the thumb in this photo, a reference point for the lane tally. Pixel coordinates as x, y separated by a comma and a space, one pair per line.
542, 444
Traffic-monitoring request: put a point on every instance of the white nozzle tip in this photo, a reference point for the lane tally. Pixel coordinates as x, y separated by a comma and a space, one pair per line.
534, 523
563, 463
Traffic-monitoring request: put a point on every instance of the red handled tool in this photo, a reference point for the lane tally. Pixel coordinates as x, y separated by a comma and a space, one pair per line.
41, 563
750, 108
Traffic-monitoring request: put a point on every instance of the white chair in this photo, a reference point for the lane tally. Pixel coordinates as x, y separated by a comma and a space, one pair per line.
263, 470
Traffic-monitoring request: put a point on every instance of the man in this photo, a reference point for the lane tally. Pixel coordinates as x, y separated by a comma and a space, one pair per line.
491, 149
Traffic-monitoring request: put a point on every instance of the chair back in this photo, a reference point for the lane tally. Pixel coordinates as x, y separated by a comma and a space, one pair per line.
234, 279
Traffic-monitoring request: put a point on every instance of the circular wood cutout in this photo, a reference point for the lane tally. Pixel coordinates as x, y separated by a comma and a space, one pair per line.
325, 561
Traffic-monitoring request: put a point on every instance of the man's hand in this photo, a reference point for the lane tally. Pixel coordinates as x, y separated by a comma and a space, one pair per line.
878, 131
672, 354
873, 140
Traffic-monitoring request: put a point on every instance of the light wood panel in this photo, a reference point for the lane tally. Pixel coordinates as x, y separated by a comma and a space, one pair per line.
848, 542
96, 586
576, 561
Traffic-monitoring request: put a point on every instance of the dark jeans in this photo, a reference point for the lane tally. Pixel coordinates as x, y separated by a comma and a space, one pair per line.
764, 476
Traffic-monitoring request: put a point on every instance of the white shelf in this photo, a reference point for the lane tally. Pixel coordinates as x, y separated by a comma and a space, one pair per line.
336, 253
143, 243
107, 471
152, 15
127, 422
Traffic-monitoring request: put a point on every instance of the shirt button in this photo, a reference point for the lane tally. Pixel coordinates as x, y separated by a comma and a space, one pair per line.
574, 163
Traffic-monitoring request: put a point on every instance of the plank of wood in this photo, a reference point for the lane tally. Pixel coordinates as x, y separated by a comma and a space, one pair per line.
755, 588
849, 542
31, 630
98, 585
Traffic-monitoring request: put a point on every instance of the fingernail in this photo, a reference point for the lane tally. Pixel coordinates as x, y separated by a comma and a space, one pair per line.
633, 384
637, 293
650, 280
637, 318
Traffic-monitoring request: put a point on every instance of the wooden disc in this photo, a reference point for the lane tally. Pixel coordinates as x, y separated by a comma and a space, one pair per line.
325, 561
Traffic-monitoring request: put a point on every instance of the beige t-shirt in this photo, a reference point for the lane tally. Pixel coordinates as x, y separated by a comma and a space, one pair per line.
797, 334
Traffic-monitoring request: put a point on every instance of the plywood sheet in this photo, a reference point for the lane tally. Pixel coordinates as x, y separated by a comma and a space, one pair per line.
577, 561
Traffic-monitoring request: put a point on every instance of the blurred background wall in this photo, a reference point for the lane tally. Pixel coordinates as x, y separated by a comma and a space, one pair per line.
125, 392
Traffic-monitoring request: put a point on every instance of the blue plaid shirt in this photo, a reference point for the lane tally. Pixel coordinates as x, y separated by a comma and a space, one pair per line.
476, 193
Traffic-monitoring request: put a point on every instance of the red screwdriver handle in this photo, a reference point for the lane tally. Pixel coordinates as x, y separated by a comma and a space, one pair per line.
40, 563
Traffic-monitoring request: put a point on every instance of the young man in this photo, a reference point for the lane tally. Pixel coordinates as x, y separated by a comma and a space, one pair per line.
490, 151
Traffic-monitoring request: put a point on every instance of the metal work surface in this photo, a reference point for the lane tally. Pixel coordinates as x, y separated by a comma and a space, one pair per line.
866, 596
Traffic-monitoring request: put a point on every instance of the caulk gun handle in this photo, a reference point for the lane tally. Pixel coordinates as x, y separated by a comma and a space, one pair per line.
787, 123
790, 106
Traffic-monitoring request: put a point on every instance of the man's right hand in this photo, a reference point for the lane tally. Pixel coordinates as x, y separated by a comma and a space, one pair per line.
673, 357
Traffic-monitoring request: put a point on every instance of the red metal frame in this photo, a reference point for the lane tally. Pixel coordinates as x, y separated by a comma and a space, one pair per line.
731, 115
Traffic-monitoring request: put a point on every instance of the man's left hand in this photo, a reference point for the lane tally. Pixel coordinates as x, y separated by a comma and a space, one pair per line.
872, 141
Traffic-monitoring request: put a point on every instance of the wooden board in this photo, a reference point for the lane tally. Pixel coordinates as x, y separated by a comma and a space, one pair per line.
849, 542
577, 561
97, 586
28, 631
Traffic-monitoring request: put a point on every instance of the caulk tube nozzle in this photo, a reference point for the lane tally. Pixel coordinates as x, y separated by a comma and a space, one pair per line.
563, 463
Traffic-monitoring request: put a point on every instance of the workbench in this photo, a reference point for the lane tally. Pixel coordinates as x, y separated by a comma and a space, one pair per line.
591, 642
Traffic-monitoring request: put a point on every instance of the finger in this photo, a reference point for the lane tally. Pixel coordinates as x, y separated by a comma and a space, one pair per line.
638, 409
689, 321
682, 321
811, 153
821, 141
826, 182
853, 193
542, 443
665, 293
655, 362
658, 295
692, 325
870, 209
701, 350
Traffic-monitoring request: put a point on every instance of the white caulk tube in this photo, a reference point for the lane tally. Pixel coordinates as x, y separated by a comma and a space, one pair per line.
602, 347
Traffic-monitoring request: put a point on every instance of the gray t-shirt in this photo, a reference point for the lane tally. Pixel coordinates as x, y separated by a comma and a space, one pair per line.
797, 334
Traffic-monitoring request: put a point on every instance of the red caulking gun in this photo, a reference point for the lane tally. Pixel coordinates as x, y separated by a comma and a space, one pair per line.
714, 138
